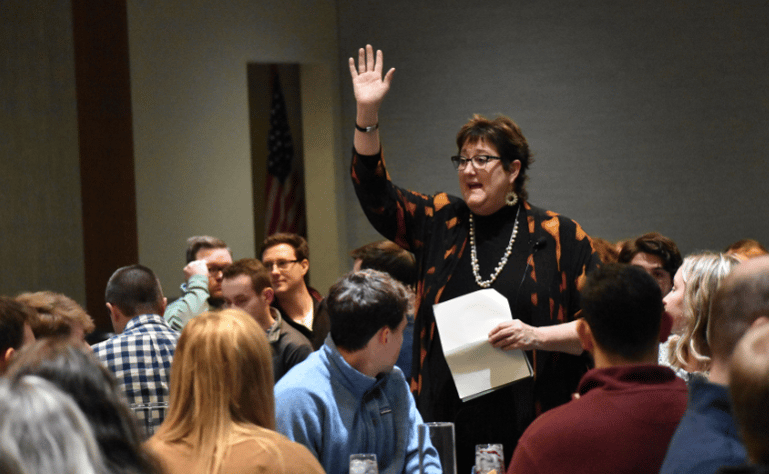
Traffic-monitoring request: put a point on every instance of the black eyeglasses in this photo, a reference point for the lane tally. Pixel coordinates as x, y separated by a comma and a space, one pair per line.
281, 264
479, 161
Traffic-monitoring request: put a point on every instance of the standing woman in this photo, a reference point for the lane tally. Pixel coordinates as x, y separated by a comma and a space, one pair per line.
491, 238
221, 415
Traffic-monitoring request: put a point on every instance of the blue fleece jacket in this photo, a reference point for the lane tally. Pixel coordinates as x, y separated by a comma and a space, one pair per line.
334, 410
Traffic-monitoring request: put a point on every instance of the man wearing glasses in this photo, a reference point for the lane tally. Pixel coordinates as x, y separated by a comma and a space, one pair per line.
206, 258
286, 257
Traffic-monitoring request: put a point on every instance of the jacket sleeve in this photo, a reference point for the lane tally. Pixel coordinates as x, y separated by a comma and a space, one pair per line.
398, 214
193, 302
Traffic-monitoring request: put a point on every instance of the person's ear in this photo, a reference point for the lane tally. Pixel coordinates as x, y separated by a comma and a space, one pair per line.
7, 356
585, 335
163, 306
305, 264
268, 294
384, 335
514, 169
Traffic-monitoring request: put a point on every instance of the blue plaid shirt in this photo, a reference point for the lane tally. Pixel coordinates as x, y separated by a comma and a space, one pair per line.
140, 357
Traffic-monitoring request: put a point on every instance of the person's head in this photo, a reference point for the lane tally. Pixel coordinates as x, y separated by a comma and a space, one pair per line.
656, 254
746, 249
216, 255
286, 257
749, 390
15, 329
484, 190
246, 286
368, 306
221, 376
621, 309
606, 250
740, 300
93, 387
688, 304
388, 257
43, 430
58, 316
132, 291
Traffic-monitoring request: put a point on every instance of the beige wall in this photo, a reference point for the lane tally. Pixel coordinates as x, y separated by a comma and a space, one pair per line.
40, 206
191, 131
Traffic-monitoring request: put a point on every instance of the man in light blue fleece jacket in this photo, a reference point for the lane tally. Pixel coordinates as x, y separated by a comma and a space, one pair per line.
347, 397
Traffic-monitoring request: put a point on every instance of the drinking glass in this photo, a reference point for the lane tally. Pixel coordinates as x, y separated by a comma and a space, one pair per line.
363, 464
438, 435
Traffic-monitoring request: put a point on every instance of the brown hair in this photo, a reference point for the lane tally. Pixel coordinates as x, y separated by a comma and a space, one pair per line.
653, 243
252, 268
506, 137
301, 249
387, 256
199, 242
746, 248
56, 314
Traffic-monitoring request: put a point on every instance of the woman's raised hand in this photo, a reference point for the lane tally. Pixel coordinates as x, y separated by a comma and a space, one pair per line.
367, 82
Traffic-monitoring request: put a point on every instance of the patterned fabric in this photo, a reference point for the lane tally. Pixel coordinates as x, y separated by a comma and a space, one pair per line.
140, 357
435, 228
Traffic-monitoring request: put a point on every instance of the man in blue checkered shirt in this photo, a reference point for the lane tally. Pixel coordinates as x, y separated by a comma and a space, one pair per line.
141, 352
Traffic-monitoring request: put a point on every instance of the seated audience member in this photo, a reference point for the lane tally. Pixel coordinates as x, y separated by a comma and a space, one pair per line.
628, 406
222, 412
707, 437
749, 390
348, 397
15, 329
58, 316
286, 257
91, 385
688, 306
43, 431
656, 254
746, 249
141, 352
246, 285
388, 257
206, 258
606, 250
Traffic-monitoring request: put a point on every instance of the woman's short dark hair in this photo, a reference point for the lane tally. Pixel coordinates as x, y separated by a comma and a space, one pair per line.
506, 137
362, 303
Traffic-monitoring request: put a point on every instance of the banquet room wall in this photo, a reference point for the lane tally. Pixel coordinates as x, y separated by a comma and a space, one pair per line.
647, 115
642, 116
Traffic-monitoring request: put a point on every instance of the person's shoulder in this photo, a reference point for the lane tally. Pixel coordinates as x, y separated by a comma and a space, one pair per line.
308, 376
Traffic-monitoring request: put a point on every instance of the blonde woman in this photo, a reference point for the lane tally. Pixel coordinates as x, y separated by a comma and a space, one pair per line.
688, 304
222, 410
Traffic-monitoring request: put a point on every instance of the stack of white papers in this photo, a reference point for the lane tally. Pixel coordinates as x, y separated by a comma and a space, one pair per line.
464, 324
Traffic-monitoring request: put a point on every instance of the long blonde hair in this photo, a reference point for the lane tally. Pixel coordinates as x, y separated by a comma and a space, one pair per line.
702, 273
221, 385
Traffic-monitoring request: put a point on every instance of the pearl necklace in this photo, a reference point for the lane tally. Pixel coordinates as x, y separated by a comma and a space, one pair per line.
502, 262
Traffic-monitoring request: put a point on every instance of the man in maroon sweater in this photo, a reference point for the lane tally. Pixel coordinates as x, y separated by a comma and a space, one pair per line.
628, 407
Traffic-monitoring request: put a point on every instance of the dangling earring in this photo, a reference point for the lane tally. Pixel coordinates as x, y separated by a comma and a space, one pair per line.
511, 199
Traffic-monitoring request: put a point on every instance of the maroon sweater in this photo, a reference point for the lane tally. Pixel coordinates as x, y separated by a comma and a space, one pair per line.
622, 422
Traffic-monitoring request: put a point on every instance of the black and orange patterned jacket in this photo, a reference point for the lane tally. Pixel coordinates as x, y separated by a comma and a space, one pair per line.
435, 229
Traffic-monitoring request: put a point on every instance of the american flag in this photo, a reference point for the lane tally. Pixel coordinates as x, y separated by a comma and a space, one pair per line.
284, 191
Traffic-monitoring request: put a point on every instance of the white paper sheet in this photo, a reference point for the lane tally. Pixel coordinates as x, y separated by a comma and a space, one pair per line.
464, 324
